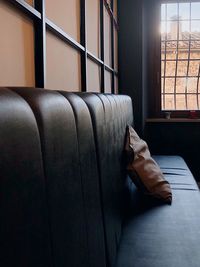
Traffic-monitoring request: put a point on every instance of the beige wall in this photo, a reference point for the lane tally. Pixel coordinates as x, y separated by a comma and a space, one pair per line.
30, 2
63, 62
63, 65
93, 26
94, 77
116, 50
66, 15
16, 48
116, 85
107, 38
108, 82
115, 9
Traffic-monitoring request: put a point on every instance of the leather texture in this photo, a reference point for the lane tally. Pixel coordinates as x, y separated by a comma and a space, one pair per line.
109, 131
65, 199
24, 227
160, 235
90, 180
68, 201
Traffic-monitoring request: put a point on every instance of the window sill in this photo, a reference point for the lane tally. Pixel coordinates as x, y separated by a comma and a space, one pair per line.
171, 120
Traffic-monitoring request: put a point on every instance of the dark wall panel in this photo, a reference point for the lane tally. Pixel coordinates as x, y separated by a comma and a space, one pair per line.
130, 55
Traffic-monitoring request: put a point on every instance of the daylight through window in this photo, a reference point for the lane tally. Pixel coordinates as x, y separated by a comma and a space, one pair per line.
180, 56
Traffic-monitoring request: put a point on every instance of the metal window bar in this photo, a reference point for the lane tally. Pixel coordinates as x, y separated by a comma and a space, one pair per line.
176, 70
163, 97
198, 87
169, 20
184, 59
188, 65
189, 60
194, 76
112, 51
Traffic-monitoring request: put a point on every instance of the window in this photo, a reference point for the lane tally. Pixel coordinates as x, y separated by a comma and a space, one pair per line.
180, 56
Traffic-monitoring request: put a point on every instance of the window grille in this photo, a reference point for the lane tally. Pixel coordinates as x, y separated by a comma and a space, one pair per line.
180, 56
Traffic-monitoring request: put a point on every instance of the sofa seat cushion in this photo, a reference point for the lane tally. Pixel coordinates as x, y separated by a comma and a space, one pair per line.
176, 172
156, 235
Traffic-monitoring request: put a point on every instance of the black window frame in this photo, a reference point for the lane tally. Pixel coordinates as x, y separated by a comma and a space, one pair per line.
154, 64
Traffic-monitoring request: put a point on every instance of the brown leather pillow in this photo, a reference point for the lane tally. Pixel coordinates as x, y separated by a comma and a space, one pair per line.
143, 170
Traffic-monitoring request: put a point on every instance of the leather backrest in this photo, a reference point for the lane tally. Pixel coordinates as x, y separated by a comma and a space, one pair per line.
90, 180
65, 196
110, 116
24, 227
71, 177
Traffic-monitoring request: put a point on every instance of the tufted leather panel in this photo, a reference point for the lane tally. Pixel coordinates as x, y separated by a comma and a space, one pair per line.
90, 180
109, 132
58, 133
24, 229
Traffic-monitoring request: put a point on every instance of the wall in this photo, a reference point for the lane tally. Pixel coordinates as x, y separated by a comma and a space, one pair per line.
176, 138
16, 48
68, 45
130, 56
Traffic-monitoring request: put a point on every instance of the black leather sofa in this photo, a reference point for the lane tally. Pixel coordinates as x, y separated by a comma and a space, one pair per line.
65, 199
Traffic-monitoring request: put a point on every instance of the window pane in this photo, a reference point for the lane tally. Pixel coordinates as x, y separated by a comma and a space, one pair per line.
192, 85
195, 50
193, 68
170, 68
169, 102
163, 50
163, 11
183, 49
171, 50
184, 30
182, 68
195, 10
180, 102
171, 45
162, 85
180, 85
163, 30
169, 85
162, 68
191, 102
172, 30
198, 89
195, 29
184, 10
172, 11
180, 55
163, 101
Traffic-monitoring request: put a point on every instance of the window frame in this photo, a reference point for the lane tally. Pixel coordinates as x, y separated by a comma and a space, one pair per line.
154, 70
